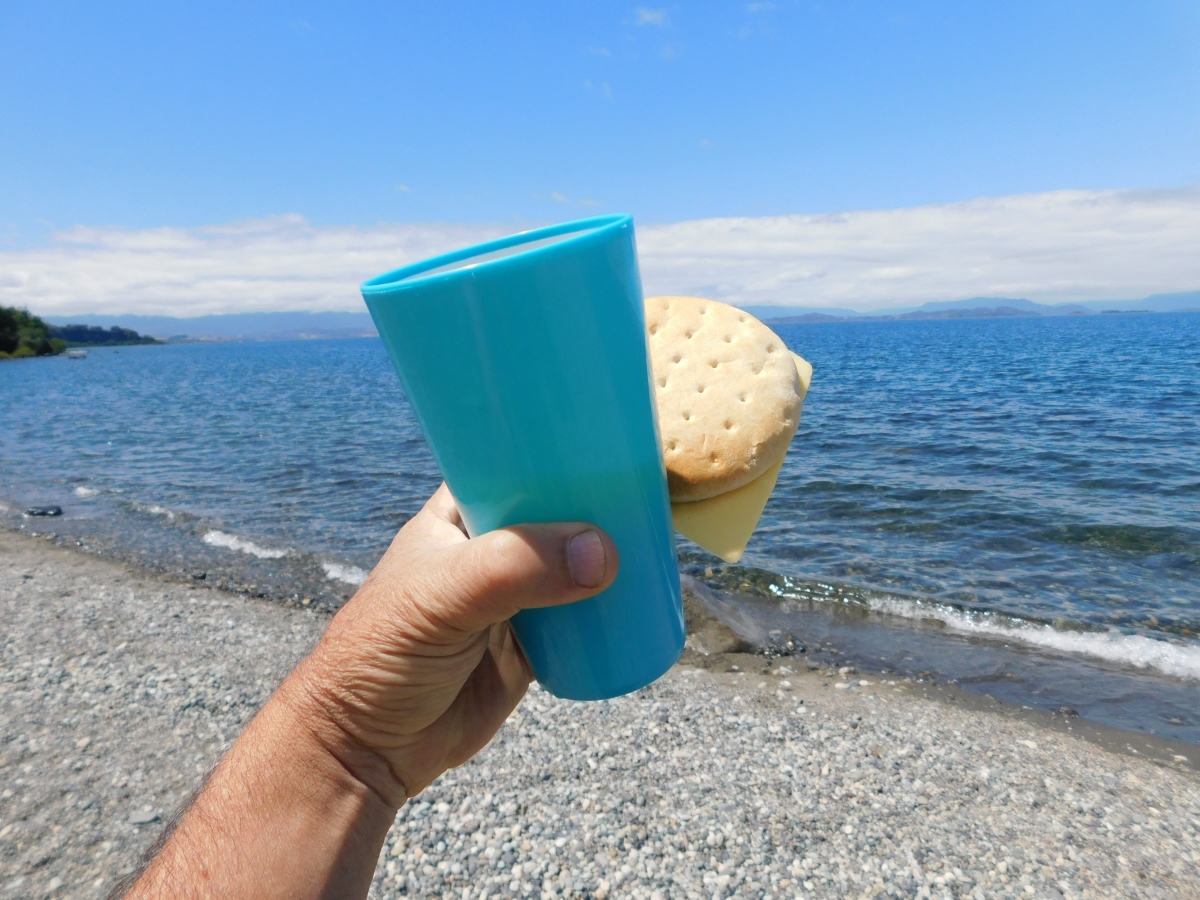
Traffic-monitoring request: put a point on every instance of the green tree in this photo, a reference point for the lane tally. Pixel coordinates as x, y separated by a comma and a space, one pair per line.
24, 334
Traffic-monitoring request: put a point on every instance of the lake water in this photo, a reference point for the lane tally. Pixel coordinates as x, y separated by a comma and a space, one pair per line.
1010, 504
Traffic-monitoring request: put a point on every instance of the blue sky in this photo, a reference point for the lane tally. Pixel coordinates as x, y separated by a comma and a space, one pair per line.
293, 124
146, 114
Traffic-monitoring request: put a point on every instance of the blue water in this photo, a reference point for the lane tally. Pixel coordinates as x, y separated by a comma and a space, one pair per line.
1049, 468
1034, 478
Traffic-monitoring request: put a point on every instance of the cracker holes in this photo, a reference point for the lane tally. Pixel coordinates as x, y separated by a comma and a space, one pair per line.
687, 416
741, 318
700, 390
662, 382
742, 398
714, 363
677, 358
770, 348
654, 329
703, 310
670, 445
688, 334
716, 460
729, 425
728, 339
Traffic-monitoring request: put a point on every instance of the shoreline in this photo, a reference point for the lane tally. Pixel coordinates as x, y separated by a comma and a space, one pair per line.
120, 687
714, 645
1126, 681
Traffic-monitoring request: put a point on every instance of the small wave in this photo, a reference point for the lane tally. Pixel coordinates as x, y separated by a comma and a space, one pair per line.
348, 574
152, 509
1177, 659
86, 492
229, 542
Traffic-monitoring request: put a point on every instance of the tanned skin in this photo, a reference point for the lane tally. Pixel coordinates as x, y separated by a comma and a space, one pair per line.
413, 676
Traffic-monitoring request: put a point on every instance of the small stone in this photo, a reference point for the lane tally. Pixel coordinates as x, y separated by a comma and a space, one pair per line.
82, 743
199, 576
44, 511
144, 817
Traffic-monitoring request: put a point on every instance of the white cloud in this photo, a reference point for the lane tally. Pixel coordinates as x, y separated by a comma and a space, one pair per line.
281, 263
651, 16
1052, 247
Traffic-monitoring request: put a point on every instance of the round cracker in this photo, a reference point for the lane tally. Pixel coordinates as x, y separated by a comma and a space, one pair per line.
728, 394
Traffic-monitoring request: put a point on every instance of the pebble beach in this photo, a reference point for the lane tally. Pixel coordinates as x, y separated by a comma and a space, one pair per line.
733, 776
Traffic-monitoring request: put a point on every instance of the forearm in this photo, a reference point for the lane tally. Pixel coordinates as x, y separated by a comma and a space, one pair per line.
282, 816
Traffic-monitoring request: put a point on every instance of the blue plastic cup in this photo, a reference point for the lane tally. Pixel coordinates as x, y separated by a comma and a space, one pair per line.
525, 362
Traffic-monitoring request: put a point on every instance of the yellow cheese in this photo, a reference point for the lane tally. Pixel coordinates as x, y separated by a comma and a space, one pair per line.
722, 525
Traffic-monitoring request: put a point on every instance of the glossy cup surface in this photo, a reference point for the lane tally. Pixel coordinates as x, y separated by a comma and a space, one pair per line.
525, 362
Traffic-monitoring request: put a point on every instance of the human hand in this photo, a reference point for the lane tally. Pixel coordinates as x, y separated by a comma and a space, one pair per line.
420, 668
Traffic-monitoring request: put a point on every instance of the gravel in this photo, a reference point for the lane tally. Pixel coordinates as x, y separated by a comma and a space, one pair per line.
118, 690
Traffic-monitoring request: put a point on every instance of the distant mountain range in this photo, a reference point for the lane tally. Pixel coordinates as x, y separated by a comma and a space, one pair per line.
265, 326
980, 307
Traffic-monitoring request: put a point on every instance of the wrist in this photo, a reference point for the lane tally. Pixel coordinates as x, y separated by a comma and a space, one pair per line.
323, 719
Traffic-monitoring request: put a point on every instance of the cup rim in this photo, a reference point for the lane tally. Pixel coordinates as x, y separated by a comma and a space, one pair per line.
410, 275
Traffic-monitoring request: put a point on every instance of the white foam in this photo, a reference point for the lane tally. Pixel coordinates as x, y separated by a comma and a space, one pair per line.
228, 541
154, 510
86, 492
348, 574
1179, 659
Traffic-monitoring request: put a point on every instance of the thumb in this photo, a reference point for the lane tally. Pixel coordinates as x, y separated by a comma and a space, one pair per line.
496, 575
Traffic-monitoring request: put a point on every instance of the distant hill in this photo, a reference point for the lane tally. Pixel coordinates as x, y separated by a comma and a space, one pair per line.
236, 326
1185, 301
94, 336
764, 313
979, 307
293, 325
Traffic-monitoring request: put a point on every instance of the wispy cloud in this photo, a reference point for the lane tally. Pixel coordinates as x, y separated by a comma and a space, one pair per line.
404, 188
652, 16
1051, 247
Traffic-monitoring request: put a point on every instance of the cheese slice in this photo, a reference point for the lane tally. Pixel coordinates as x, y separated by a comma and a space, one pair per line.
722, 525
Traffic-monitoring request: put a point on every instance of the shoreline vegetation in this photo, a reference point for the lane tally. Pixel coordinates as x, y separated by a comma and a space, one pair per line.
734, 775
24, 335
